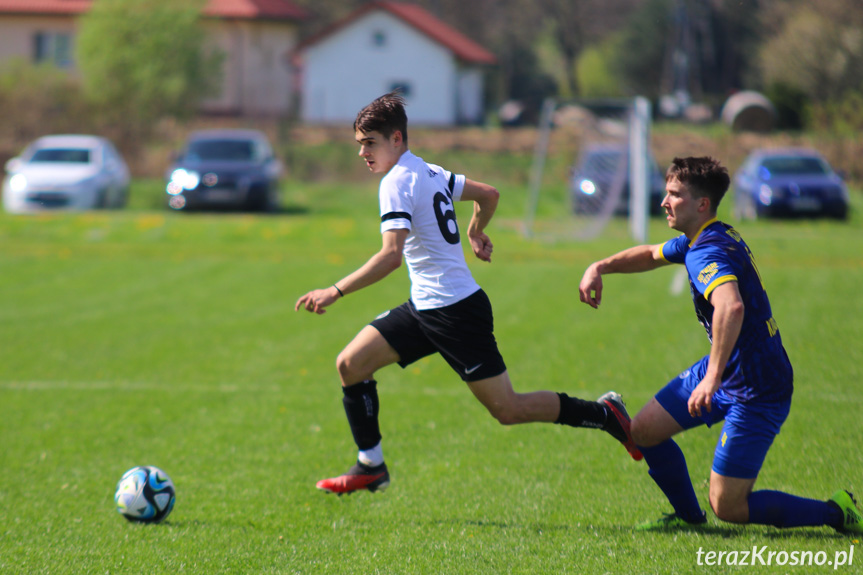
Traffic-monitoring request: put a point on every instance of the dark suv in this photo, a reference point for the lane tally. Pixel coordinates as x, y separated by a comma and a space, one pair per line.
225, 169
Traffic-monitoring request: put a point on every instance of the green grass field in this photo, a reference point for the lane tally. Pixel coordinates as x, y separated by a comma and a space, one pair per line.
149, 337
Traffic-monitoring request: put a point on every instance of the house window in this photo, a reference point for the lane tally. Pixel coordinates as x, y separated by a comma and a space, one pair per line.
403, 87
53, 47
379, 39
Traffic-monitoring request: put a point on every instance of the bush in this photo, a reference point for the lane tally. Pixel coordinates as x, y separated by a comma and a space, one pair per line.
841, 116
791, 105
37, 100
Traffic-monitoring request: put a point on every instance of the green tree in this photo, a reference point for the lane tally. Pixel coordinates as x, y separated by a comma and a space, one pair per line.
595, 70
144, 60
818, 50
817, 54
710, 41
642, 49
577, 24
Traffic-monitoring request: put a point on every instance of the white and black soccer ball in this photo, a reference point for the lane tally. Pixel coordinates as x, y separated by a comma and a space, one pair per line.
145, 494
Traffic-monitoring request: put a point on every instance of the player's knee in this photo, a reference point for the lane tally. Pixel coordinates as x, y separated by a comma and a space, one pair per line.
506, 418
506, 415
342, 362
348, 368
729, 510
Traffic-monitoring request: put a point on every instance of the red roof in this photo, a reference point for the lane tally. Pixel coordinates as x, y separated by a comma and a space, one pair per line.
463, 47
241, 9
255, 9
44, 6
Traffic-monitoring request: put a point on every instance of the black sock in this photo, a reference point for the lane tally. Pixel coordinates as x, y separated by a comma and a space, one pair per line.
580, 413
362, 407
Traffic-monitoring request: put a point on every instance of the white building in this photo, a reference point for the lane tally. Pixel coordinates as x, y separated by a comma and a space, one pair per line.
387, 45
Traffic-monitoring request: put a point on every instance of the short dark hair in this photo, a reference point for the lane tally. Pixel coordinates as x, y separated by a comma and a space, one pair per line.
704, 176
385, 115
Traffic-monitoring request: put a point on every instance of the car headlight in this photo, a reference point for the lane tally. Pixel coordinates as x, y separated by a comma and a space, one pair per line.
18, 183
183, 180
587, 187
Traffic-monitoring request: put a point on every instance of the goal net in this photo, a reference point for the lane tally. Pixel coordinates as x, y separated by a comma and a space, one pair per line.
592, 171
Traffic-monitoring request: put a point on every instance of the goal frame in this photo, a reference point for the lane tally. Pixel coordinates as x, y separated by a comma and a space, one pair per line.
638, 120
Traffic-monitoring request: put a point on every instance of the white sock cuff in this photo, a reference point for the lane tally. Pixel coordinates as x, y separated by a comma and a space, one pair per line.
371, 457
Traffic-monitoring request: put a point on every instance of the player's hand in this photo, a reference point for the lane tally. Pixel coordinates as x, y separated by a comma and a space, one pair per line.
702, 396
590, 288
315, 301
482, 246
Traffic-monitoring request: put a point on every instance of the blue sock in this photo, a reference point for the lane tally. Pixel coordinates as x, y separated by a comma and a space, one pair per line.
668, 469
784, 510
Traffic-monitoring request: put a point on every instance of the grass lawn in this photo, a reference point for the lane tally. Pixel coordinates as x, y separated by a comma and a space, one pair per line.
149, 337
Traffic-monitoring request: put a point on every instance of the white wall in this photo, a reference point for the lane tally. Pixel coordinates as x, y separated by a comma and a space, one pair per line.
345, 71
470, 107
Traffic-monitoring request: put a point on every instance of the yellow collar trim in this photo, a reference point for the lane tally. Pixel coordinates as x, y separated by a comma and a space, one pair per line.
701, 229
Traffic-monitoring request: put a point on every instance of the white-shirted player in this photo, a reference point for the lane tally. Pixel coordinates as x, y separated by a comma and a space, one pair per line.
448, 313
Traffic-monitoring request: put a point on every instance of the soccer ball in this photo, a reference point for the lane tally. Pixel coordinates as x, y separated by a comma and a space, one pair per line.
145, 494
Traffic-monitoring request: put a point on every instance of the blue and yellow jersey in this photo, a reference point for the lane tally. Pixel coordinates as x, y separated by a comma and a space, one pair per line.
759, 368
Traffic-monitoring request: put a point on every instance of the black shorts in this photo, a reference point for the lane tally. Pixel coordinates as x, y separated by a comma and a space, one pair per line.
463, 333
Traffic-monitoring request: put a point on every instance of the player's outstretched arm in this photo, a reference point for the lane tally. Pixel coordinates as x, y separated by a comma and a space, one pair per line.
485, 198
632, 260
380, 265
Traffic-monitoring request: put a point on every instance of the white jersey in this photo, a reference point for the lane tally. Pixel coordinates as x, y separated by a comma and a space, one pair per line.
420, 197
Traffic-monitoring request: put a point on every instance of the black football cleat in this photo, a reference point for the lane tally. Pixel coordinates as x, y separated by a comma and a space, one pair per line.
618, 426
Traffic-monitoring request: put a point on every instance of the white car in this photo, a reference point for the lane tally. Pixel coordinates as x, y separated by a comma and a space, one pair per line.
66, 172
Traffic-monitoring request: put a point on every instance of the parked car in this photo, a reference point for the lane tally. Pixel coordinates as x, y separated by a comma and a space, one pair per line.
789, 182
66, 172
602, 171
225, 169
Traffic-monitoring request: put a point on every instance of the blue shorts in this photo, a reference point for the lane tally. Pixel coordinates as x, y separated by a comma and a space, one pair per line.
749, 427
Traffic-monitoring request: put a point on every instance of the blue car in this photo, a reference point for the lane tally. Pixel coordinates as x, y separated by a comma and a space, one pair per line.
789, 182
233, 169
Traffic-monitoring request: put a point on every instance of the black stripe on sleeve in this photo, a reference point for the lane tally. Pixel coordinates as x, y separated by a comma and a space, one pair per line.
451, 183
396, 216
